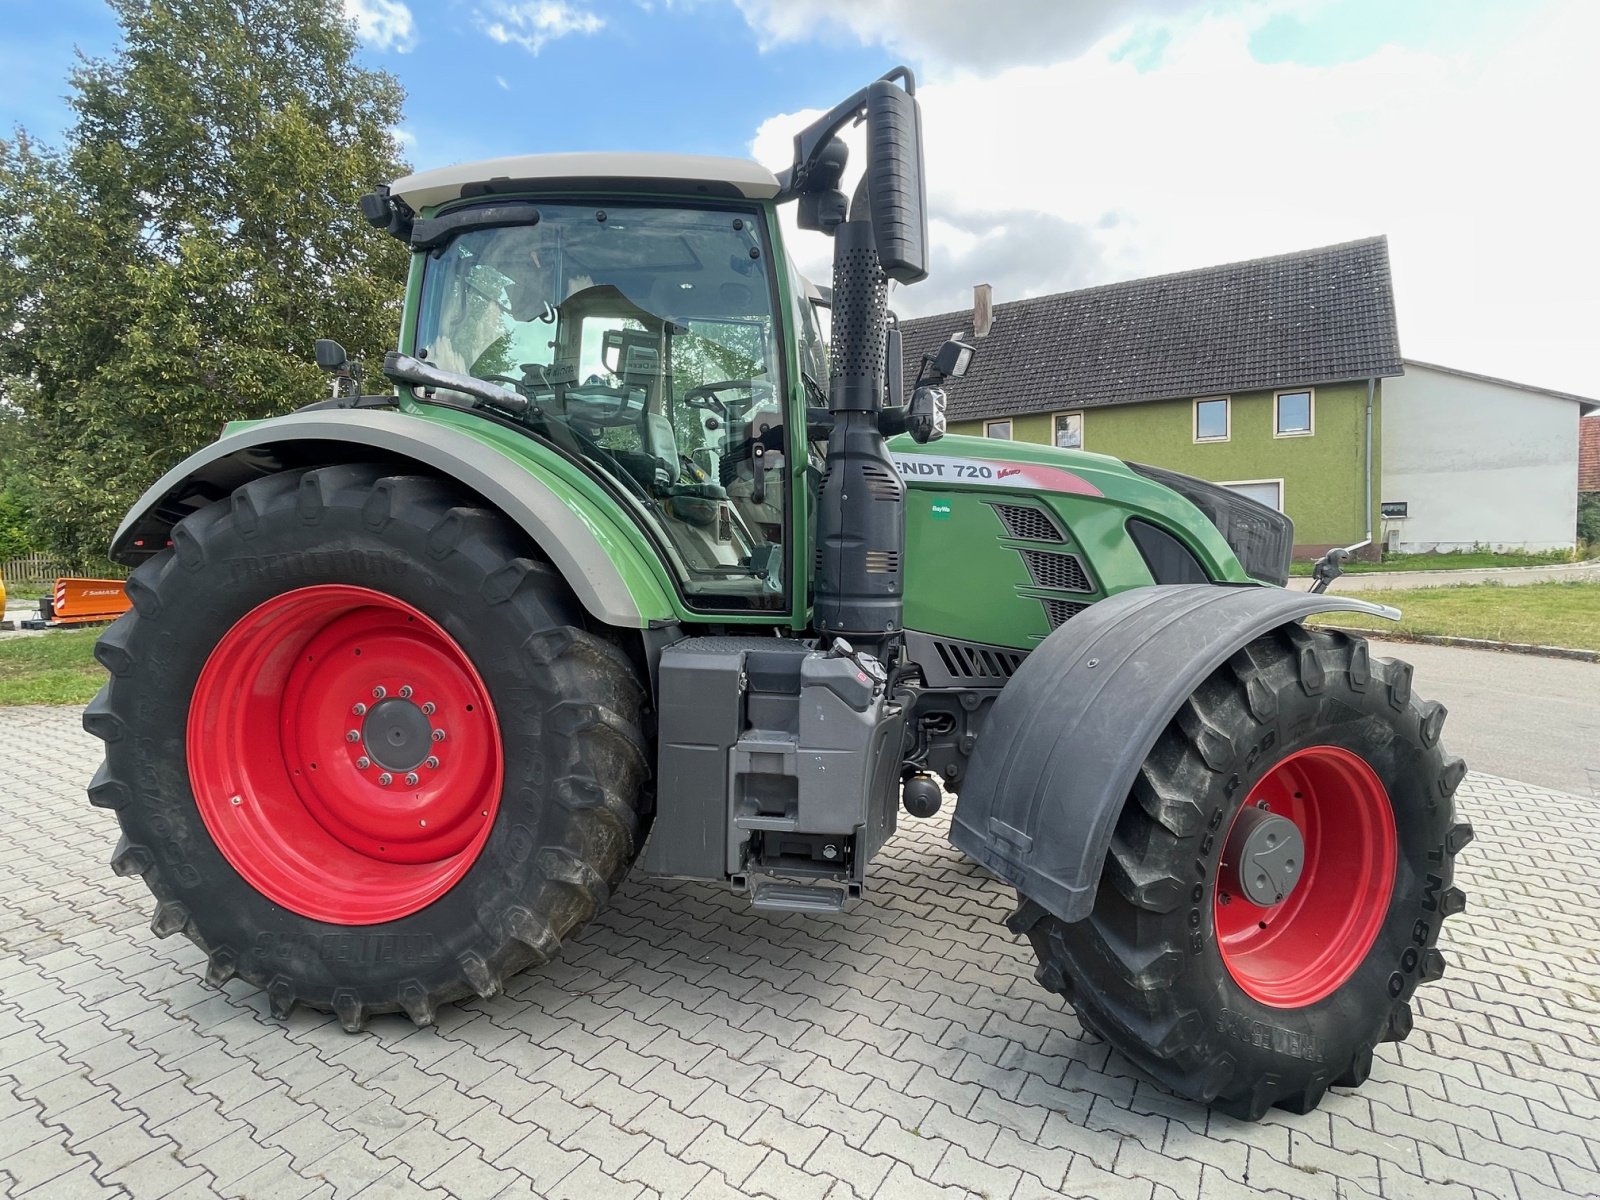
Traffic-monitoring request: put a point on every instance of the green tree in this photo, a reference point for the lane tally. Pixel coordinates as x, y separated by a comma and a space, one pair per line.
167, 269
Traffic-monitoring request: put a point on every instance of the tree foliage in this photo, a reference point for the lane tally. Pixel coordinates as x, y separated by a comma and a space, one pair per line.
1589, 518
167, 269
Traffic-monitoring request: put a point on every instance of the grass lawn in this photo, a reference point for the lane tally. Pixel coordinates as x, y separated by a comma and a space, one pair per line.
1546, 614
54, 668
1460, 560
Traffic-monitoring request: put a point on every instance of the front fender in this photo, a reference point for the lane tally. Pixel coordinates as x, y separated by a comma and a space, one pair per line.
614, 579
1062, 746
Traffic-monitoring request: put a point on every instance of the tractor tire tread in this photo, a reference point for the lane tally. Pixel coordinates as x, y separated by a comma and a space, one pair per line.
595, 787
1117, 968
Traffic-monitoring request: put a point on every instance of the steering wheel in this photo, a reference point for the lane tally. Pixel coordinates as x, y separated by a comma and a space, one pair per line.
604, 405
705, 396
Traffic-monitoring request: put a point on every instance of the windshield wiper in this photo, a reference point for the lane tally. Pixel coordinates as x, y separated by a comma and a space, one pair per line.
403, 368
814, 389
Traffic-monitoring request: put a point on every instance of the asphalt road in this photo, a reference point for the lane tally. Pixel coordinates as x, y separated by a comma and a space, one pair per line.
1519, 716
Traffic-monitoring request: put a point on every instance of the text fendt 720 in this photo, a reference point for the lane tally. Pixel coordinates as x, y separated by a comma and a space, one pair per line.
631, 570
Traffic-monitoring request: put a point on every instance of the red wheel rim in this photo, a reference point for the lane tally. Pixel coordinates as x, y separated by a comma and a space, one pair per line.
1295, 953
344, 754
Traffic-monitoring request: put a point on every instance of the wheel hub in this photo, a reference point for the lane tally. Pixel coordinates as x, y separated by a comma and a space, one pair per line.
1305, 876
344, 754
396, 734
1263, 858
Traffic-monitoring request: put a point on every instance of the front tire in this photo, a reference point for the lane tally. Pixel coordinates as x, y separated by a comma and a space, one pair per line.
1214, 977
361, 749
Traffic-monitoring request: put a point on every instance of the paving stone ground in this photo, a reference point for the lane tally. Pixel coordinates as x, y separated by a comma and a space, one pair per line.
686, 1046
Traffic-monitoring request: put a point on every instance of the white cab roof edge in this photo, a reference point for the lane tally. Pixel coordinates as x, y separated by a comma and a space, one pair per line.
443, 184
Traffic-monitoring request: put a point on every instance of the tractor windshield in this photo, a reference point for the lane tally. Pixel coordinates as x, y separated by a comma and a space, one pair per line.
645, 341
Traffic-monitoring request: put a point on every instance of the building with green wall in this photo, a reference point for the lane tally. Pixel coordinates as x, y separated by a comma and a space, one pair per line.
1265, 376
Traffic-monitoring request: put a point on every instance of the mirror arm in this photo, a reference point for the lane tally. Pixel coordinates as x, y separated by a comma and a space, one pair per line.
811, 141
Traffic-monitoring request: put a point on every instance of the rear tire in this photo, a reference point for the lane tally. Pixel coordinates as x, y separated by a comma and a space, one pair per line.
1247, 1007
328, 887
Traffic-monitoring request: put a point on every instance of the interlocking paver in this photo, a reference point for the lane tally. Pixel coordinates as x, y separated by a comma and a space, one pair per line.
686, 1046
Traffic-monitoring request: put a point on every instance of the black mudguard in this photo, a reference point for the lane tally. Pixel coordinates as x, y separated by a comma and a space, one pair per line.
1063, 744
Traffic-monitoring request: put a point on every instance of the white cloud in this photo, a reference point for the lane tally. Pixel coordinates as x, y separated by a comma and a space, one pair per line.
533, 24
957, 32
1089, 170
383, 24
501, 80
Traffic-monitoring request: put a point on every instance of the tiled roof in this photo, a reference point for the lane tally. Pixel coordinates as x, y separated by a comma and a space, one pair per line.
1587, 404
1316, 316
1589, 454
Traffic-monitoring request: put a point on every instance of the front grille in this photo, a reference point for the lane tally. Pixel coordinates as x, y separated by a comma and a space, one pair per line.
1261, 538
968, 661
1061, 611
882, 562
1064, 572
1028, 523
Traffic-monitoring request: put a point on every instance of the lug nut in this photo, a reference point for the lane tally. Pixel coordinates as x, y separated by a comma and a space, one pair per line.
378, 693
363, 763
428, 709
405, 692
385, 779
431, 763
353, 736
438, 735
360, 710
411, 779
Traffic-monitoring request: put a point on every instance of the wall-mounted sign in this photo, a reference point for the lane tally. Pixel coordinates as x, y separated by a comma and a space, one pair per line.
1394, 508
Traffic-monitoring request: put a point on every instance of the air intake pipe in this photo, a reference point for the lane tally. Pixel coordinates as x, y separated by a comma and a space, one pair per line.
860, 582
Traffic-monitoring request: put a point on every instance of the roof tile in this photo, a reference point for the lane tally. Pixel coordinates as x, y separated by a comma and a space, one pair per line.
1315, 316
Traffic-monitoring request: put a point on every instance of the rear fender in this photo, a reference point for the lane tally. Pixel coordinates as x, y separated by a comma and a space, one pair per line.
1061, 748
612, 578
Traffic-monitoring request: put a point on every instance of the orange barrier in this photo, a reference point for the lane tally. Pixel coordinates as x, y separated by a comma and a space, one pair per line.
80, 601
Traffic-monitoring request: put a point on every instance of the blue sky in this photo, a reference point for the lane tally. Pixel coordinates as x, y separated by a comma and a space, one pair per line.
1068, 143
685, 77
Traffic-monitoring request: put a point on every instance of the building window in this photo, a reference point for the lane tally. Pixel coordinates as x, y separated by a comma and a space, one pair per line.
1292, 414
997, 429
1211, 420
1069, 431
1262, 491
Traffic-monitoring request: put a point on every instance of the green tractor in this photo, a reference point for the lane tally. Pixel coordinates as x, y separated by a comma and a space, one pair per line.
631, 571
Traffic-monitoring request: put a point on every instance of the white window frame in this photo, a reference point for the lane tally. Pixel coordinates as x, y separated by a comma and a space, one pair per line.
1283, 500
1082, 427
1311, 412
1007, 422
1227, 418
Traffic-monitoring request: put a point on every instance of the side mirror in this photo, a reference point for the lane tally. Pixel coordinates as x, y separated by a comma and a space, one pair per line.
953, 359
330, 355
894, 180
1328, 568
926, 420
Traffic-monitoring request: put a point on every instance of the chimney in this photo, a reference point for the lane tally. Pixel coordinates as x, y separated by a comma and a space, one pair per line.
982, 309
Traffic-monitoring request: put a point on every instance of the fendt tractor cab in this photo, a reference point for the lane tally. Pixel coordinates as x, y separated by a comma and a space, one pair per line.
633, 570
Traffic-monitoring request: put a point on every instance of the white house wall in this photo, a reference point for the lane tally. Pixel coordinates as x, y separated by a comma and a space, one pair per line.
1478, 463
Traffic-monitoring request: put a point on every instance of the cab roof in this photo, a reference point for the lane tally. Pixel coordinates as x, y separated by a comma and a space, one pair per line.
735, 178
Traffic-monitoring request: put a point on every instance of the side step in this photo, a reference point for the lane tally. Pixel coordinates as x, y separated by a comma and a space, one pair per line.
801, 897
